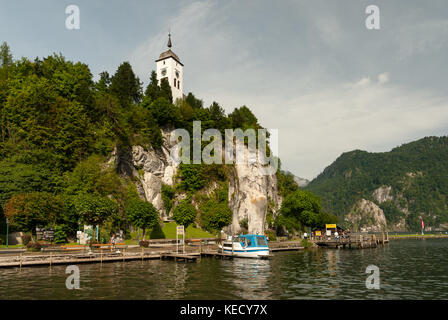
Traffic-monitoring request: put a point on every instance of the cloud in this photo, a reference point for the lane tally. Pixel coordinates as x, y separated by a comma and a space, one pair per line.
323, 102
383, 78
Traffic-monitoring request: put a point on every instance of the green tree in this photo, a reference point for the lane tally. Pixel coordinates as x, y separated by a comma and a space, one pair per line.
300, 209
35, 209
165, 90
93, 209
153, 91
215, 215
164, 112
184, 213
125, 85
194, 102
103, 84
191, 177
142, 214
5, 55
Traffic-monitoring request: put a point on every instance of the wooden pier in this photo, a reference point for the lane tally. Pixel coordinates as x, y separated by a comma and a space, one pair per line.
356, 241
181, 256
30, 260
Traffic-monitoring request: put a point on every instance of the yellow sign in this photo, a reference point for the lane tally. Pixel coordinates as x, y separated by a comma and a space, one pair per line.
330, 226
318, 233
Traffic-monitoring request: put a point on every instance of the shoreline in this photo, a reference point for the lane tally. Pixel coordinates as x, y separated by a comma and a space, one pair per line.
417, 236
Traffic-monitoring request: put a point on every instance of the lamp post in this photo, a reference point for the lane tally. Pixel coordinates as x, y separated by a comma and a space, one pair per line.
7, 232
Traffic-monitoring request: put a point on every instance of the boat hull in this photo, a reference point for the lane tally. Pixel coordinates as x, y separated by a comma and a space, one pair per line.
261, 253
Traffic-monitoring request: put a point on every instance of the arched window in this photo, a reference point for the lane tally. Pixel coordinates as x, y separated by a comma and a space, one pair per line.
174, 83
178, 84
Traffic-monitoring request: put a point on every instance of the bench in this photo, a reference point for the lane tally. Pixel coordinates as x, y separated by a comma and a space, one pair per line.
109, 246
77, 247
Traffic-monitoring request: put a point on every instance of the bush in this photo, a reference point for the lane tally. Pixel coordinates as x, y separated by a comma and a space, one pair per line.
215, 216
59, 235
33, 247
244, 223
185, 213
26, 238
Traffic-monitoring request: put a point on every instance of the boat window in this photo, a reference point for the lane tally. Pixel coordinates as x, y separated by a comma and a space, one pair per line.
249, 242
261, 241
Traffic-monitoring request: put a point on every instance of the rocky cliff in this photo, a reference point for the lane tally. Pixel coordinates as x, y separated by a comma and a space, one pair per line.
250, 190
366, 216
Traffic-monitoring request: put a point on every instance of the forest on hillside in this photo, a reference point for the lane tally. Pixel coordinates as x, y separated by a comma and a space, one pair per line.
58, 128
416, 171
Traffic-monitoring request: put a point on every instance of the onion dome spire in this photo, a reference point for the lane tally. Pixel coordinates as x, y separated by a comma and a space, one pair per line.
169, 40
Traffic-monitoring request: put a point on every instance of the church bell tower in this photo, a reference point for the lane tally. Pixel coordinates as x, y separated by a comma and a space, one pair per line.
170, 67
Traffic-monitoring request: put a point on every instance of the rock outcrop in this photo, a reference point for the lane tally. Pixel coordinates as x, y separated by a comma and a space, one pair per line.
251, 190
366, 216
383, 194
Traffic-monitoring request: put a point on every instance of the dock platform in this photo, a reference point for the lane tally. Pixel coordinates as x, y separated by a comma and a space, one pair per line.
357, 241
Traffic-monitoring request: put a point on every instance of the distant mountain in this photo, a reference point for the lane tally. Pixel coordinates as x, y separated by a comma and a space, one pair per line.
409, 182
301, 182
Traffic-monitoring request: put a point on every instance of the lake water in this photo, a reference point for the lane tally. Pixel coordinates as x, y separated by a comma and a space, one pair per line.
409, 269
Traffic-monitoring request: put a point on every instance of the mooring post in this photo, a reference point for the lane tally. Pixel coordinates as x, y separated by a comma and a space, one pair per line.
200, 246
20, 261
123, 253
142, 253
232, 248
101, 255
50, 258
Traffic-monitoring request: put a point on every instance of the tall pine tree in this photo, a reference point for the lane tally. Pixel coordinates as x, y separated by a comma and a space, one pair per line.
125, 85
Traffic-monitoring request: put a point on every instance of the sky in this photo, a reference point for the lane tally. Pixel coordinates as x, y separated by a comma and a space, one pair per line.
310, 69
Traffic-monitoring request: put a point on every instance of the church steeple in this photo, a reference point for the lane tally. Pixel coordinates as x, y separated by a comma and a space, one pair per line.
169, 40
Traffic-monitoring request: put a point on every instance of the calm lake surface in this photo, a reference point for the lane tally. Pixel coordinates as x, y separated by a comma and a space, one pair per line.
409, 269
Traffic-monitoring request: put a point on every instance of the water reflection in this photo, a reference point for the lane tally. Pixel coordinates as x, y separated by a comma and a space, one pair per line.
409, 269
250, 277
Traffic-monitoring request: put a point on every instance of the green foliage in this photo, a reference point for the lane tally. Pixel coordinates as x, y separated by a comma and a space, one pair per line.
391, 212
152, 91
244, 223
142, 214
165, 90
125, 85
5, 55
94, 209
184, 213
30, 210
194, 102
164, 112
243, 118
286, 183
215, 215
191, 177
168, 193
417, 173
302, 209
59, 235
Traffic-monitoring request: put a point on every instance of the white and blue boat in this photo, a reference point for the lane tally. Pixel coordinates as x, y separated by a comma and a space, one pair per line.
246, 246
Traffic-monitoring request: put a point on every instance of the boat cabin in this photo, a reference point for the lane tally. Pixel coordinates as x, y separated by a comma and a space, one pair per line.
251, 240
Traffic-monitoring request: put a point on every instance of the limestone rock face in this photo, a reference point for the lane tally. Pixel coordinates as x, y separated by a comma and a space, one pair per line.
366, 216
251, 190
152, 168
383, 194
